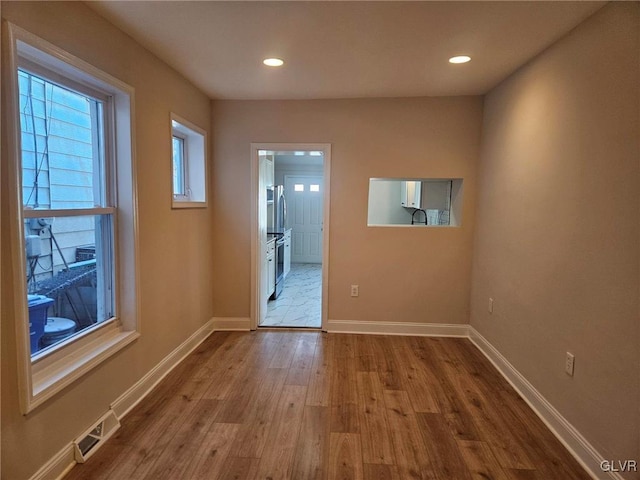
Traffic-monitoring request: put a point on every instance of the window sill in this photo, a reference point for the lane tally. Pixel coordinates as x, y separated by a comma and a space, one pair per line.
188, 204
402, 225
54, 372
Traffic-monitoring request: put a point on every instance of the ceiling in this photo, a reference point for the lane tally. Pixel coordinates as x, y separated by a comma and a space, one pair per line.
338, 49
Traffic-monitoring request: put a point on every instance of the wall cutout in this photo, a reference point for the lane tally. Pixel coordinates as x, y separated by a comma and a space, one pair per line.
430, 202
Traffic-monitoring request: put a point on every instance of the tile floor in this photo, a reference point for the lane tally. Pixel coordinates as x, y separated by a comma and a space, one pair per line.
299, 304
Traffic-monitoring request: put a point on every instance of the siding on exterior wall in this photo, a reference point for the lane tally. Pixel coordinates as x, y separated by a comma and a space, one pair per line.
65, 162
57, 165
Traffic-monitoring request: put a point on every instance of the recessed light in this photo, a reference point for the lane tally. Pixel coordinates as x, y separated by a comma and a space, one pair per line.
459, 59
273, 62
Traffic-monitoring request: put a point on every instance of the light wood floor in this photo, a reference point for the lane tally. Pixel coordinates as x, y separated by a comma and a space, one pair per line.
306, 405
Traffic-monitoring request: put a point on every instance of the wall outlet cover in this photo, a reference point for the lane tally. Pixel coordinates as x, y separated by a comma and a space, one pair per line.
569, 363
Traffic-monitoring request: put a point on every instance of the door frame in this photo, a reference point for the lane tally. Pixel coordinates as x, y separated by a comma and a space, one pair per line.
257, 255
307, 175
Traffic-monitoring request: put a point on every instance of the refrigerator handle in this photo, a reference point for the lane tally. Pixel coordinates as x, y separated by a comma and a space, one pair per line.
284, 211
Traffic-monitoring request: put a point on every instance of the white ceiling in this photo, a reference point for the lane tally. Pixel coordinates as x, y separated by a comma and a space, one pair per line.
344, 49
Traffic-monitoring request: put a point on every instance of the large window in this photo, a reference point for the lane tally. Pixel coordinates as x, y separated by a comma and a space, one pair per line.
73, 221
68, 206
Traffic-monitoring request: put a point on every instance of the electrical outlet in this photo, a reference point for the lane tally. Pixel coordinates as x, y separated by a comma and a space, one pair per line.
568, 364
354, 290
491, 305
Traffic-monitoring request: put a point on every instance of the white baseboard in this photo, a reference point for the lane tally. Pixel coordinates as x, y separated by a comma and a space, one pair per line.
142, 387
61, 463
232, 324
57, 466
571, 438
578, 446
398, 328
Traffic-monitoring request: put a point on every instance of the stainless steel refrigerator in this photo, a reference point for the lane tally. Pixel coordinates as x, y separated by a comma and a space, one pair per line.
276, 223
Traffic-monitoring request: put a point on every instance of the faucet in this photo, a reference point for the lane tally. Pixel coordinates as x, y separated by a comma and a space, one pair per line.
416, 211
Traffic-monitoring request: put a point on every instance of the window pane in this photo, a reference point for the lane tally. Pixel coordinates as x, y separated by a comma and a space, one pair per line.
314, 188
62, 146
69, 276
298, 187
178, 167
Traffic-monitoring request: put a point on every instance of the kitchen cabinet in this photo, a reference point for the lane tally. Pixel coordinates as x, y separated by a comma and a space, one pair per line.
287, 252
410, 193
269, 173
426, 194
271, 267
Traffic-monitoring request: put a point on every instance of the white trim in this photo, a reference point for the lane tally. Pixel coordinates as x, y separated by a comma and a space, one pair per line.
325, 148
569, 436
195, 158
586, 455
58, 466
62, 462
326, 223
12, 127
68, 212
82, 71
177, 203
398, 328
129, 399
254, 202
239, 324
66, 369
378, 225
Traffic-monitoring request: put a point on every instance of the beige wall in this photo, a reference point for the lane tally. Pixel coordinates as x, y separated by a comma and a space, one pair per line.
405, 275
556, 233
557, 228
175, 253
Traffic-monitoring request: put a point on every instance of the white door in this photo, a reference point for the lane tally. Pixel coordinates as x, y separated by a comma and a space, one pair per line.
304, 196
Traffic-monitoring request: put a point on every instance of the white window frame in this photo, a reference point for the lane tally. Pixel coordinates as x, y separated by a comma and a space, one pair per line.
194, 163
46, 374
184, 168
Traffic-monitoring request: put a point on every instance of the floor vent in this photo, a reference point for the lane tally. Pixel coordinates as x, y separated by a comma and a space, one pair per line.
87, 443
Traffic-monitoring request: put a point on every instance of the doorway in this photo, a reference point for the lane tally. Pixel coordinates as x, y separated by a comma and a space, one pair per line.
302, 171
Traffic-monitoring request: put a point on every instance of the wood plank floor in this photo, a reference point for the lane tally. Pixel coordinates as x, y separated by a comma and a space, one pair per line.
313, 406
